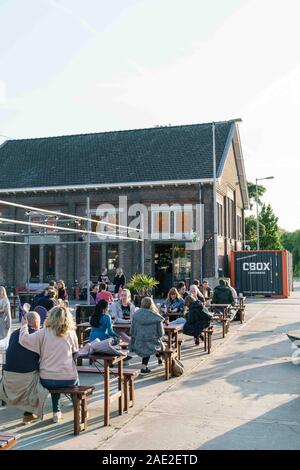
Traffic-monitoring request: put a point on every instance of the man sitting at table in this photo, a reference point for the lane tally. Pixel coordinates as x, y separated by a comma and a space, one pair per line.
20, 371
222, 295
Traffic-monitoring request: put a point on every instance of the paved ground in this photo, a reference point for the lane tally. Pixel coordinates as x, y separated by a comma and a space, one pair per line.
245, 395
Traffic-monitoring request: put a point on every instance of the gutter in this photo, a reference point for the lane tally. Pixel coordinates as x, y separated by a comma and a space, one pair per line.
86, 187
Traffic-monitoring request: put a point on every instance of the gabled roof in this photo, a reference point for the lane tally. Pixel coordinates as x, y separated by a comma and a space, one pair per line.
160, 154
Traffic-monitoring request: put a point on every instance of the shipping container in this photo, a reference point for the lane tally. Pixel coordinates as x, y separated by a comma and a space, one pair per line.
263, 272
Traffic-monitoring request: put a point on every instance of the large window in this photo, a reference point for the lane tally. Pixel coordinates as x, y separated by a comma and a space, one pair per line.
239, 225
183, 222
230, 219
34, 263
220, 220
49, 262
112, 259
95, 261
160, 224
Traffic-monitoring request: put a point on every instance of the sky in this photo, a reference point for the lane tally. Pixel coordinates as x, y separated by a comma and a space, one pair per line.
74, 66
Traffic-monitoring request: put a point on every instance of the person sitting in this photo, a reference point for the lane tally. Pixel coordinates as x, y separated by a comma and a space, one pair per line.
182, 289
197, 319
146, 333
122, 311
174, 303
101, 323
38, 296
56, 345
104, 277
5, 318
20, 361
48, 301
222, 294
195, 292
94, 291
103, 294
234, 293
62, 291
205, 290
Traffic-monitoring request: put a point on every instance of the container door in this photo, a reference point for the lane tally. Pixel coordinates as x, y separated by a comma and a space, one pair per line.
258, 272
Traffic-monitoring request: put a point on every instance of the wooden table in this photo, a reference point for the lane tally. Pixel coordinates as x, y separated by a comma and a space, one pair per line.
108, 398
223, 317
173, 347
240, 307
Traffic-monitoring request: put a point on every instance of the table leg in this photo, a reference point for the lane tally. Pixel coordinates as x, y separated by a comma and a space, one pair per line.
169, 339
120, 385
106, 393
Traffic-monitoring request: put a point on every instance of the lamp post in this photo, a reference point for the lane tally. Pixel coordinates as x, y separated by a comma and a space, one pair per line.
256, 197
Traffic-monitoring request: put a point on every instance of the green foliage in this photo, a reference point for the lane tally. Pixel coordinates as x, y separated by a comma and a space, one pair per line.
291, 242
142, 284
252, 193
250, 228
270, 240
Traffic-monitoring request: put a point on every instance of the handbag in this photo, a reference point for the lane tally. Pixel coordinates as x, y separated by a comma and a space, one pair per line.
177, 368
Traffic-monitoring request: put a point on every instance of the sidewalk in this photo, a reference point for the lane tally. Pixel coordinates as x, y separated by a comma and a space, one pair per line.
243, 396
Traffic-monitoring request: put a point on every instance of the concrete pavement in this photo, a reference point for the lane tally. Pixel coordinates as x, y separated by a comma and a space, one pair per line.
243, 396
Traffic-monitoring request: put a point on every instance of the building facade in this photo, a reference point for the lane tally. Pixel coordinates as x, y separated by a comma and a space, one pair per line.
159, 180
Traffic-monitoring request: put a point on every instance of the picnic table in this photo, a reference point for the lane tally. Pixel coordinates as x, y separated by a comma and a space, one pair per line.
223, 316
104, 369
173, 347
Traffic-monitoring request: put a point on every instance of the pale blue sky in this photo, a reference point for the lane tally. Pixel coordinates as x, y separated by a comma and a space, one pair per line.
74, 66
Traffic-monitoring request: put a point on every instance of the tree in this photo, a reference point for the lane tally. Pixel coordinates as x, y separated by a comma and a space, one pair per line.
291, 242
271, 239
251, 235
252, 193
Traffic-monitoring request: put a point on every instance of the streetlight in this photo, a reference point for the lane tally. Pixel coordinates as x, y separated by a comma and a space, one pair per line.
257, 220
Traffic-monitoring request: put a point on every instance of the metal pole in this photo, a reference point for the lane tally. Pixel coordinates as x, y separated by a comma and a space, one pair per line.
88, 243
257, 219
216, 261
143, 255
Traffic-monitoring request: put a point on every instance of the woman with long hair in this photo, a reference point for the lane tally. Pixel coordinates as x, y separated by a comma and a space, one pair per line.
174, 303
146, 333
119, 280
101, 323
55, 343
62, 291
5, 318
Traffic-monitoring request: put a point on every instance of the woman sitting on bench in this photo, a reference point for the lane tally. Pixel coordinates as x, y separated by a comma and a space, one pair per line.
55, 343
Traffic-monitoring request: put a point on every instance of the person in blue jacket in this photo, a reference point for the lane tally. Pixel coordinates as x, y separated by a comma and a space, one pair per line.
174, 303
101, 323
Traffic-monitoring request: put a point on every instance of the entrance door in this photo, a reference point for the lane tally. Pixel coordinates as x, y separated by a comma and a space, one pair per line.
163, 268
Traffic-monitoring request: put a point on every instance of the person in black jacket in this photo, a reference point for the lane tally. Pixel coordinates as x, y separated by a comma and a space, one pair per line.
197, 319
222, 294
119, 280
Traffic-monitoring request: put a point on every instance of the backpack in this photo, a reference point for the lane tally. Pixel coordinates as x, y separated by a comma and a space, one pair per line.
177, 367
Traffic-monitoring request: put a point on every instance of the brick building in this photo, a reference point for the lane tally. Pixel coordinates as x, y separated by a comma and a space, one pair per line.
163, 165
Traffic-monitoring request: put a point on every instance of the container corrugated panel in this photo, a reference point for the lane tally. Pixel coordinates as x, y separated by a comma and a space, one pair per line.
261, 272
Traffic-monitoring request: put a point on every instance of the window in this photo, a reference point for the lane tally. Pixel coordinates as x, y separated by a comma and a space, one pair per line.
49, 262
230, 219
95, 261
34, 262
161, 224
183, 222
112, 259
239, 227
220, 220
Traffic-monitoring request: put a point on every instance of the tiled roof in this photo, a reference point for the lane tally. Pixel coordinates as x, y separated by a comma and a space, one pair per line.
155, 154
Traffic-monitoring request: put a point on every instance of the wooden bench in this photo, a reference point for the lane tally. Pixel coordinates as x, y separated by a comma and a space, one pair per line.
79, 397
7, 441
129, 378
